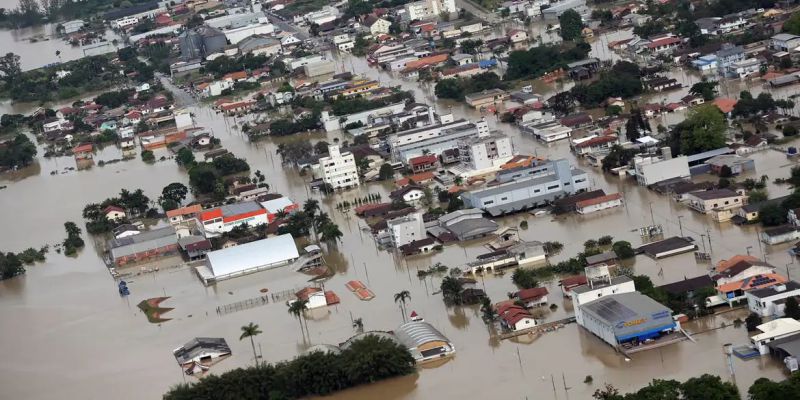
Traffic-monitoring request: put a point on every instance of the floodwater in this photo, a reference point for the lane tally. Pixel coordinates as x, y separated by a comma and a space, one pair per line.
67, 332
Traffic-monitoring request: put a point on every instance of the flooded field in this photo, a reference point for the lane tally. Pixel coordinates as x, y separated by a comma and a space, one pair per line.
67, 333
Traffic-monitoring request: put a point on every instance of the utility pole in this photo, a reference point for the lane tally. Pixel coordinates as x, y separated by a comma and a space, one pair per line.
680, 225
652, 217
710, 249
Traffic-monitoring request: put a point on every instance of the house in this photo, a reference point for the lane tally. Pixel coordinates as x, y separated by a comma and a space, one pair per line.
576, 120
606, 259
774, 332
744, 69
735, 291
596, 144
423, 163
739, 270
377, 25
513, 317
780, 234
664, 45
728, 55
599, 203
571, 282
485, 98
179, 215
533, 297
517, 36
692, 100
194, 246
201, 351
688, 286
462, 59
771, 301
709, 201
114, 213
784, 42
418, 246
794, 216
124, 230
83, 151
409, 193
314, 297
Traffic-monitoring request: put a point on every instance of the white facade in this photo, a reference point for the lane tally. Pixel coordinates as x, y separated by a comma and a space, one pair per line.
768, 302
772, 330
407, 229
124, 22
339, 169
379, 26
485, 152
744, 68
600, 284
651, 170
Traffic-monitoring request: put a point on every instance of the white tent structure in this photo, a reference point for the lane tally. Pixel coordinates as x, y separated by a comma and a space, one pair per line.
248, 258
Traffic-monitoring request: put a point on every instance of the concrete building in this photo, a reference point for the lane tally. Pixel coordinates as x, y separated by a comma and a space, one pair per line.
236, 35
650, 170
467, 224
333, 122
423, 341
600, 284
528, 187
780, 234
219, 220
598, 204
771, 301
557, 8
338, 169
428, 9
72, 26
774, 330
709, 201
743, 69
784, 42
485, 98
406, 229
485, 152
435, 137
626, 317
273, 252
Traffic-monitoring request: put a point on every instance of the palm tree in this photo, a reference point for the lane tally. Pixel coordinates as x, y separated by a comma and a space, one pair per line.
281, 214
311, 207
451, 290
358, 323
250, 330
297, 308
402, 297
331, 233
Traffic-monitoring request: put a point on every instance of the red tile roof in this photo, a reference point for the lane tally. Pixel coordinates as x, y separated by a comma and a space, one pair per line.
573, 281
305, 293
421, 177
598, 200
113, 208
663, 42
193, 209
596, 141
83, 148
422, 160
239, 75
532, 293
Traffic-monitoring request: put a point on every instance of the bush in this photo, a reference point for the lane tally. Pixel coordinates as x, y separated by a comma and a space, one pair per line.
789, 130
148, 156
524, 278
623, 249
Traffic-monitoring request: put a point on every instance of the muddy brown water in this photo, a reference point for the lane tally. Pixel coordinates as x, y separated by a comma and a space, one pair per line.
68, 333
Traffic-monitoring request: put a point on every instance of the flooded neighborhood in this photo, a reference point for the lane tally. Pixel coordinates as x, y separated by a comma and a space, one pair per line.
513, 210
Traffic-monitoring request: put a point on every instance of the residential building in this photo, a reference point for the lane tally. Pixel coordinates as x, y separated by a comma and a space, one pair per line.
313, 296
571, 282
179, 215
593, 144
423, 163
142, 247
735, 291
406, 229
526, 188
739, 268
485, 98
735, 163
771, 301
216, 221
744, 69
377, 25
434, 138
773, 331
533, 297
72, 26
547, 131
784, 42
517, 36
485, 152
514, 318
599, 203
709, 201
409, 193
114, 213
626, 317
272, 252
338, 169
605, 259
729, 55
780, 234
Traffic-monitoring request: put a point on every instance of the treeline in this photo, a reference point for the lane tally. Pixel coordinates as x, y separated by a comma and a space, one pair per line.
135, 203
536, 61
32, 13
367, 360
17, 152
225, 65
457, 88
705, 387
350, 105
623, 80
43, 84
12, 265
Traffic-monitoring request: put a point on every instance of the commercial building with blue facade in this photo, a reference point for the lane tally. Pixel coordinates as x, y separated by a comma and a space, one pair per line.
627, 317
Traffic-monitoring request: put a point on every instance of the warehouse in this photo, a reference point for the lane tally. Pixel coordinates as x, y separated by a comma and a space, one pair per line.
423, 341
626, 317
223, 219
142, 247
248, 258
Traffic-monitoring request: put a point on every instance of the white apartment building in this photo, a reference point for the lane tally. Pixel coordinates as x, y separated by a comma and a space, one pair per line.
429, 9
407, 229
124, 22
485, 152
652, 170
339, 169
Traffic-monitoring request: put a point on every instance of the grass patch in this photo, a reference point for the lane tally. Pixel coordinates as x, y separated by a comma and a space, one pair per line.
153, 311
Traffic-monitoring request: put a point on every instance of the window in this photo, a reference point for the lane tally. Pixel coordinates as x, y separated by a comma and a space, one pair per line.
552, 187
504, 198
486, 203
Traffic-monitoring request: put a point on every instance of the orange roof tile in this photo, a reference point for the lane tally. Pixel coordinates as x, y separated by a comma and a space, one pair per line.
193, 209
753, 282
723, 265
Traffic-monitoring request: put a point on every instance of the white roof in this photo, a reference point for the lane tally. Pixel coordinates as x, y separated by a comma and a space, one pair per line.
777, 327
275, 205
261, 253
647, 139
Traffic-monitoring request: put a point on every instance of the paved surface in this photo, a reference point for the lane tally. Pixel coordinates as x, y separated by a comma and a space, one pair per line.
287, 27
478, 11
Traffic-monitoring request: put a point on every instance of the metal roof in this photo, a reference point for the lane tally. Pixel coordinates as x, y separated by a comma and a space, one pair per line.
416, 333
629, 313
199, 346
252, 255
617, 280
144, 241
230, 210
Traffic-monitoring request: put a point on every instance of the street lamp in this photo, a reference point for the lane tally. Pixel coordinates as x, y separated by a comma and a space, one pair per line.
748, 249
727, 349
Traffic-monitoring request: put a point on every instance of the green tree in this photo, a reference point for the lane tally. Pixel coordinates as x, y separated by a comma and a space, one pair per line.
703, 130
488, 310
623, 249
175, 191
148, 156
705, 89
757, 196
17, 153
73, 242
789, 131
10, 265
297, 308
524, 278
10, 67
330, 233
792, 25
571, 25
185, 157
772, 215
449, 89
401, 297
752, 321
709, 387
605, 240
791, 308
451, 290
250, 331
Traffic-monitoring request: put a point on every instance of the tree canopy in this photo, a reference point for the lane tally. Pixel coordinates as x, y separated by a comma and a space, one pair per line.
702, 130
536, 61
571, 25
